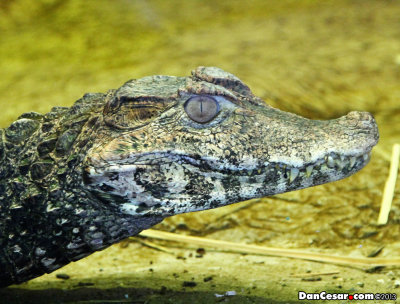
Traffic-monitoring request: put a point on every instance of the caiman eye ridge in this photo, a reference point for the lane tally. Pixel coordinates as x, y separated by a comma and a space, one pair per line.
202, 109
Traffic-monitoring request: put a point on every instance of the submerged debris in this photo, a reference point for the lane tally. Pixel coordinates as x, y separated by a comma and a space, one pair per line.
62, 276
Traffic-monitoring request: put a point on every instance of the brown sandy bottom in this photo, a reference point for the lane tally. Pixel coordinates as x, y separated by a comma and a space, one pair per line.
317, 59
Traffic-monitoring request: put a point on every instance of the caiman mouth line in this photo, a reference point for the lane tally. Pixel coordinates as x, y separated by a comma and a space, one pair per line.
332, 160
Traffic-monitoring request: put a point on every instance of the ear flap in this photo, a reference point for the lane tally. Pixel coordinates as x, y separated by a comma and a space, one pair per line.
138, 102
222, 78
132, 114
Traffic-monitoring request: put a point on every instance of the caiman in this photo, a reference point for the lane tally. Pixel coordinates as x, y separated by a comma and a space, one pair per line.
78, 179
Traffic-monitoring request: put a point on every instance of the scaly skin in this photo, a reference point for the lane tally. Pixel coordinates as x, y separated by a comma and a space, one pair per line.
76, 180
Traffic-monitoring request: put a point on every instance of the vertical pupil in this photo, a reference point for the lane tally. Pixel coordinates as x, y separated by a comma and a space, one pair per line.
201, 109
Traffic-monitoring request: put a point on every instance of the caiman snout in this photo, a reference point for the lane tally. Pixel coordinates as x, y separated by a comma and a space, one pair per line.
360, 116
365, 119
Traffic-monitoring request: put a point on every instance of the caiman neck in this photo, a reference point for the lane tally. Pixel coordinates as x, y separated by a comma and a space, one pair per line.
39, 155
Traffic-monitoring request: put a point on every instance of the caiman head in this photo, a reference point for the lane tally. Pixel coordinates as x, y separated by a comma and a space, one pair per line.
170, 145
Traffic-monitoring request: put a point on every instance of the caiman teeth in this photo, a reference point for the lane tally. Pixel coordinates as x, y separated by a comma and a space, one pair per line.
327, 163
294, 172
245, 172
352, 161
340, 163
309, 170
330, 161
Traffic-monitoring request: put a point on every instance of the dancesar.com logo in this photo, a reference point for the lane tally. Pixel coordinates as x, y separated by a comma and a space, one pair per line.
323, 295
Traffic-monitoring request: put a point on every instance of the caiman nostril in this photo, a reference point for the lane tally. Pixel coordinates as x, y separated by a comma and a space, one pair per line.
359, 120
360, 116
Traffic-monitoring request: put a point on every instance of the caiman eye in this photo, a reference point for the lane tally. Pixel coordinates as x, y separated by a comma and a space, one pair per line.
201, 109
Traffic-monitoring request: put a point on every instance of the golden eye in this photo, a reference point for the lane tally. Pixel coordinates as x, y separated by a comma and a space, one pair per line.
201, 109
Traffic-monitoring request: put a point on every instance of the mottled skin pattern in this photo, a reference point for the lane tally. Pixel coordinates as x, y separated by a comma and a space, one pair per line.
76, 180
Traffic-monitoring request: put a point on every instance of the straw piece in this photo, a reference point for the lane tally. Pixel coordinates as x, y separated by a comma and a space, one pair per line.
261, 250
388, 191
302, 275
155, 246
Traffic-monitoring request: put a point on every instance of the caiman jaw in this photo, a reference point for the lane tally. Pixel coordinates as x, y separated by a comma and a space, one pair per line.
239, 149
